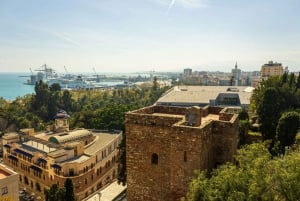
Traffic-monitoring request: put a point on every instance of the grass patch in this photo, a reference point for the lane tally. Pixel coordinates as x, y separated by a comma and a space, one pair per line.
255, 133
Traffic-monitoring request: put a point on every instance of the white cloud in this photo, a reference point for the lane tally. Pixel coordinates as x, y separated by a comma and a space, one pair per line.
66, 37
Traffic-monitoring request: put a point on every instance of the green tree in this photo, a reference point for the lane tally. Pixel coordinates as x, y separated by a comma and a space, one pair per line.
53, 105
243, 132
55, 87
41, 99
269, 112
284, 78
122, 173
41, 95
111, 116
298, 82
155, 83
292, 80
287, 129
69, 190
257, 176
67, 101
55, 193
243, 114
257, 96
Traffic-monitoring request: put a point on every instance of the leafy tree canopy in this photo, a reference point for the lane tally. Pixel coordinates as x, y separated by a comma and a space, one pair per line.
255, 177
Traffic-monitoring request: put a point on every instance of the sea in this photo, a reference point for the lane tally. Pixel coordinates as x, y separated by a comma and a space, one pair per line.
12, 85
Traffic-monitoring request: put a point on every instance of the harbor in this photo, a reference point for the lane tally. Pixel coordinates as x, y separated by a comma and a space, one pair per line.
69, 81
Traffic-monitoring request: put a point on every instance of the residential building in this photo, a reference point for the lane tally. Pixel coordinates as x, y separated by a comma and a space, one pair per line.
9, 183
271, 69
42, 159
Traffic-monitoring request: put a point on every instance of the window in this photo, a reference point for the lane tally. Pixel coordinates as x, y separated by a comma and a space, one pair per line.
154, 159
184, 157
38, 186
71, 172
4, 190
26, 180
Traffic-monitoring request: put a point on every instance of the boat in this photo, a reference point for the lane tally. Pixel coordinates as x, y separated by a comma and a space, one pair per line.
72, 81
78, 83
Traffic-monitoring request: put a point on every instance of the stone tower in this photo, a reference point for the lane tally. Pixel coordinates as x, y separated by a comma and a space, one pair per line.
164, 145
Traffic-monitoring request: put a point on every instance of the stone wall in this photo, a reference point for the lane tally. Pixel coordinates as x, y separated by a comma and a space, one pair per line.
225, 135
162, 152
211, 110
161, 109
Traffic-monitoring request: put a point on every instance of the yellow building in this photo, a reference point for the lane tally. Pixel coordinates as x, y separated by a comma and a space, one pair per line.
271, 69
9, 183
88, 157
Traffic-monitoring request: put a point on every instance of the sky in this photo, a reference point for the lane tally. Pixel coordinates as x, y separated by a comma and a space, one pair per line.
148, 35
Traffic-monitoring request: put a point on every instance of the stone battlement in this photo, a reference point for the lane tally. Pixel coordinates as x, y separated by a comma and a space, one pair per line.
164, 145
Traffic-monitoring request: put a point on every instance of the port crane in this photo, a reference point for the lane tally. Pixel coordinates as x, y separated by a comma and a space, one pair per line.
47, 71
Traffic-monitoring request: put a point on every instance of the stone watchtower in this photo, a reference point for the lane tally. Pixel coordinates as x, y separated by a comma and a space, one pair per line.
61, 121
164, 145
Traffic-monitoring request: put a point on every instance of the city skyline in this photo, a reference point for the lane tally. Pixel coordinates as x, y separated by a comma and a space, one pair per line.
160, 35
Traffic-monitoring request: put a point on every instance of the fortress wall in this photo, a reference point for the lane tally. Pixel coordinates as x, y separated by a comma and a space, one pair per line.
180, 150
225, 140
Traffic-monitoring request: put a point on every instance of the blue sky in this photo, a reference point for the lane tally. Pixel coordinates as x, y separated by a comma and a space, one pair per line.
144, 35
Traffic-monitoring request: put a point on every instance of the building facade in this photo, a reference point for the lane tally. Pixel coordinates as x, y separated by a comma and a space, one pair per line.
165, 145
271, 69
9, 183
88, 157
237, 76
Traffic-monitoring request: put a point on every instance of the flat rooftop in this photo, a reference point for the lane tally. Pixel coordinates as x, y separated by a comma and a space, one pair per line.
5, 172
33, 145
203, 94
108, 193
78, 159
102, 139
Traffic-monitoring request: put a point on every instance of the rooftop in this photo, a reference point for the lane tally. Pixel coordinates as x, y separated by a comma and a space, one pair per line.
201, 95
102, 139
5, 172
78, 159
109, 193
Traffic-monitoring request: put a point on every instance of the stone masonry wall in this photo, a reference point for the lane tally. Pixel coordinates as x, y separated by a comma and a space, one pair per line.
162, 153
180, 151
225, 136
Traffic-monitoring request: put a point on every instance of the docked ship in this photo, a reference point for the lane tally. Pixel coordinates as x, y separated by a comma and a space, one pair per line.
72, 81
68, 81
